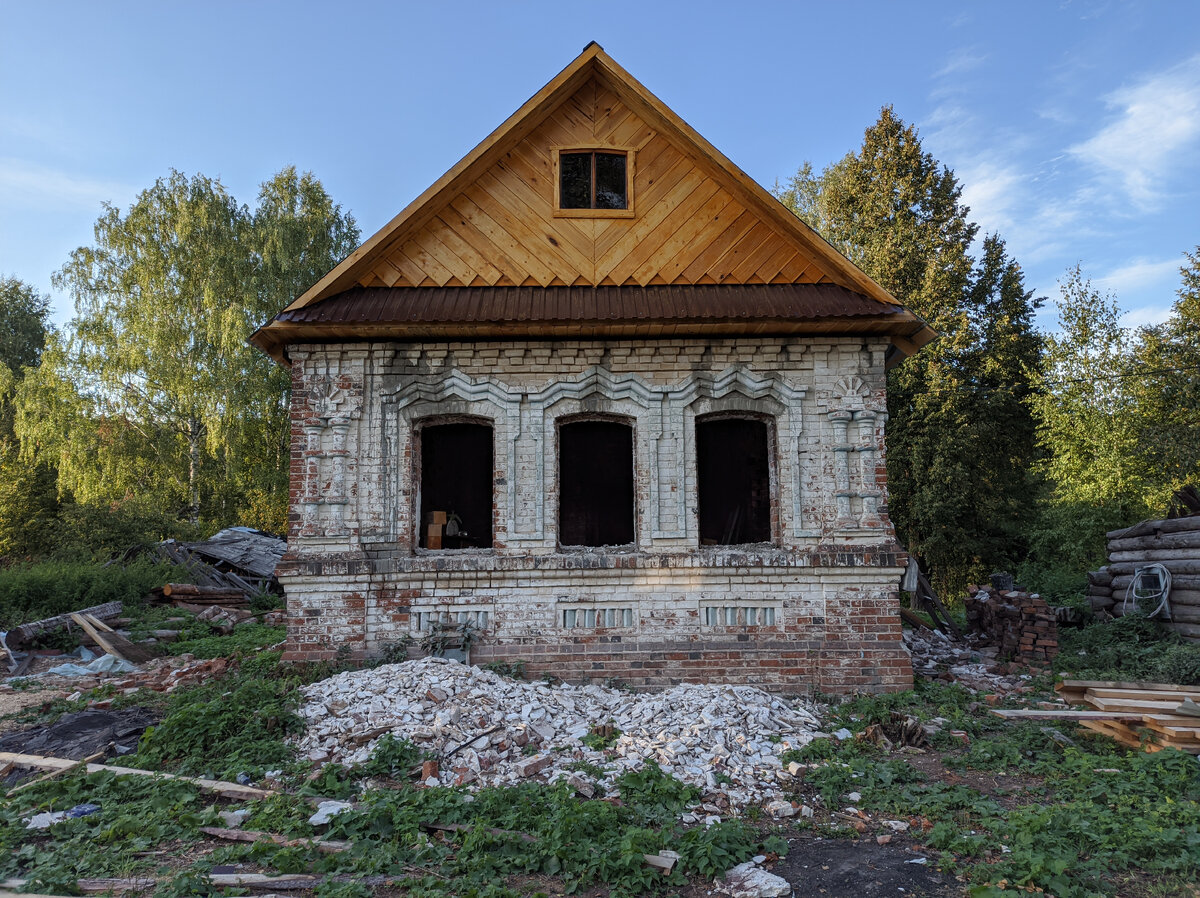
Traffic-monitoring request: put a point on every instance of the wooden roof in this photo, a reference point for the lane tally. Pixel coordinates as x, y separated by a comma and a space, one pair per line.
489, 222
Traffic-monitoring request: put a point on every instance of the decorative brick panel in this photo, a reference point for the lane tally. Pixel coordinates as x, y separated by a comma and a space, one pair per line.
354, 576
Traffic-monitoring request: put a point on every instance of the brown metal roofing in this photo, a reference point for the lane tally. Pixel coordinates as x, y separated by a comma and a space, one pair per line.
586, 304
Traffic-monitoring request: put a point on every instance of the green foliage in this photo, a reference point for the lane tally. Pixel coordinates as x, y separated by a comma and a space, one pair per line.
957, 410
393, 757
235, 725
653, 795
32, 592
1118, 417
598, 740
244, 640
136, 814
152, 391
24, 322
1132, 647
514, 670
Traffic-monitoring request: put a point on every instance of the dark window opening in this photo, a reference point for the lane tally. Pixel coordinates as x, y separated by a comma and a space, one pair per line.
595, 484
734, 480
456, 486
592, 181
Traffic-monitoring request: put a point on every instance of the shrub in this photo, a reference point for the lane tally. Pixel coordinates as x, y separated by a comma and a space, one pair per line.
35, 591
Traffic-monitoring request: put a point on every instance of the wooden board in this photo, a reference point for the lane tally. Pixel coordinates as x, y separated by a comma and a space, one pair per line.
1065, 714
220, 787
501, 228
1146, 695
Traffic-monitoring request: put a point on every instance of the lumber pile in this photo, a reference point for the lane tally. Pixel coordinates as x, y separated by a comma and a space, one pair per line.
1162, 712
1173, 543
1021, 624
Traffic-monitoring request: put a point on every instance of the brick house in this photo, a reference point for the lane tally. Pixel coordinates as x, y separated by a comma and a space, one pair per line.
598, 397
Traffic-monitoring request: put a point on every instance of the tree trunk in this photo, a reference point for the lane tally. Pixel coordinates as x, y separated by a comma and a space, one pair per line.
194, 469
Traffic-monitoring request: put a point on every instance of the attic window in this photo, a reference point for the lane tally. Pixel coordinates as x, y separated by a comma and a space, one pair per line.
593, 183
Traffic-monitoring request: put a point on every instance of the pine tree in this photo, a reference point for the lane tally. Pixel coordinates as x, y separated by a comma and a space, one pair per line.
959, 436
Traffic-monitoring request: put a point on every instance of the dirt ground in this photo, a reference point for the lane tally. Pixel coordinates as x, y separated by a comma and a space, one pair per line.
845, 868
12, 702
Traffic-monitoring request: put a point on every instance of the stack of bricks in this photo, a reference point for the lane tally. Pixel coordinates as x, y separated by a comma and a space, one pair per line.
1021, 624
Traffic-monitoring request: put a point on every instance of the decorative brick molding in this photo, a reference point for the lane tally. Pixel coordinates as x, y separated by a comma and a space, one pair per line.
355, 577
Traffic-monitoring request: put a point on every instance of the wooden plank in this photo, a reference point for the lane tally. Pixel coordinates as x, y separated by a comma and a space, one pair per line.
681, 205
707, 259
457, 244
1065, 714
326, 846
1126, 684
234, 790
702, 220
529, 232
98, 637
1125, 704
514, 250
60, 771
526, 204
1144, 695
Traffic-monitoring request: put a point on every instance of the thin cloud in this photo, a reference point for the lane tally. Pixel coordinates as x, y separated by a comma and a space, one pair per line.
1140, 274
28, 185
1157, 123
963, 60
1145, 316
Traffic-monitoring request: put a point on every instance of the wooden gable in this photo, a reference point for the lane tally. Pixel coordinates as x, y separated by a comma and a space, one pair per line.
697, 219
687, 227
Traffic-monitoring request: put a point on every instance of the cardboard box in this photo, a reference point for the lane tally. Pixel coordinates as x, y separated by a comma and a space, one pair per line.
436, 517
433, 536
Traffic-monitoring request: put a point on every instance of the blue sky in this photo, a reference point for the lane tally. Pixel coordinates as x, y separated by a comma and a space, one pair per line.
1074, 127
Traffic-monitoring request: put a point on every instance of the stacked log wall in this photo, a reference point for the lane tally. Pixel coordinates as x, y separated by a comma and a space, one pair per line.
1173, 543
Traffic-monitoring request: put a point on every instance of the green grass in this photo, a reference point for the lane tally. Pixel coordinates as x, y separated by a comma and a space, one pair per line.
34, 591
1132, 647
1101, 813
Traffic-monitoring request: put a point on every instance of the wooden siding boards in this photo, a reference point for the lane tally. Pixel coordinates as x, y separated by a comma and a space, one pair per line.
490, 221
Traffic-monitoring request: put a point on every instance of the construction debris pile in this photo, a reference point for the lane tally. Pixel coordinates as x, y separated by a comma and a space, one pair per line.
487, 730
1020, 624
1154, 566
226, 568
158, 675
936, 656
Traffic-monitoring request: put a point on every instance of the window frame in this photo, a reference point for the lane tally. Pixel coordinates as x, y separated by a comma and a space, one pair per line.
417, 444
558, 212
585, 417
774, 524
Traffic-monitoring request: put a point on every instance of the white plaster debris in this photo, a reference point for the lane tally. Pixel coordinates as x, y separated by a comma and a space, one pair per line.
748, 880
327, 810
487, 730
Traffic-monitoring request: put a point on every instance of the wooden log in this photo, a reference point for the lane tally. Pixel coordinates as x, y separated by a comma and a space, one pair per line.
1102, 577
1189, 540
1120, 584
1146, 556
21, 636
1185, 614
1186, 630
220, 787
1174, 525
1175, 566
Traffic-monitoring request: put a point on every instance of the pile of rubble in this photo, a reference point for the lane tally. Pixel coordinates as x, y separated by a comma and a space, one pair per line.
488, 730
1021, 624
937, 656
159, 675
